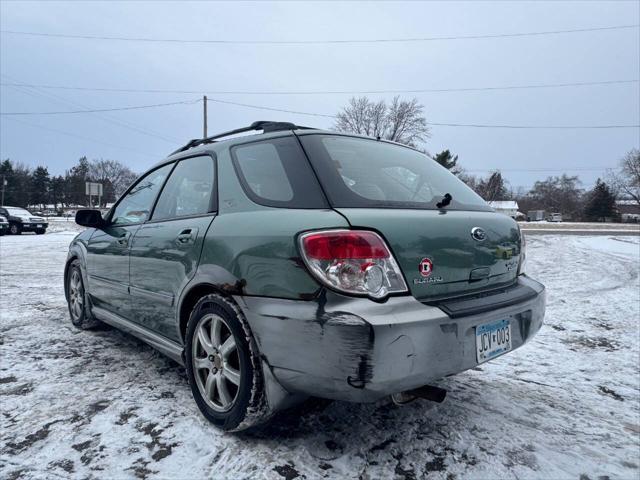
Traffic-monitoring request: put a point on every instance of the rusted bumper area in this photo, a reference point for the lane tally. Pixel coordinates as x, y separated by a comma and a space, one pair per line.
357, 350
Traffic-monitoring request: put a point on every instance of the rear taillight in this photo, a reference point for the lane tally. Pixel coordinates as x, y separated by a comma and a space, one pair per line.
352, 261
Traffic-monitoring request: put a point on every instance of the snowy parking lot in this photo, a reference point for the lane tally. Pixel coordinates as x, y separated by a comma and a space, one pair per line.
102, 404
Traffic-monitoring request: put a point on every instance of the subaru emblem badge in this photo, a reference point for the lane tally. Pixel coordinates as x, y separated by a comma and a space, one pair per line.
478, 234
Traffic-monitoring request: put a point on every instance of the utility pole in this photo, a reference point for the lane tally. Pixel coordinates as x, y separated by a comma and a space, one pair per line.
204, 104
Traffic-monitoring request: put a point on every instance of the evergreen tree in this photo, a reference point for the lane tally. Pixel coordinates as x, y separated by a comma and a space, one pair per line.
18, 186
75, 180
39, 187
448, 161
58, 191
6, 173
601, 204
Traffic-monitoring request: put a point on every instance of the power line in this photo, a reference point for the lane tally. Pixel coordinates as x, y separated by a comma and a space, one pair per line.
315, 114
137, 107
549, 127
323, 92
316, 42
323, 115
33, 91
62, 132
543, 170
261, 107
470, 125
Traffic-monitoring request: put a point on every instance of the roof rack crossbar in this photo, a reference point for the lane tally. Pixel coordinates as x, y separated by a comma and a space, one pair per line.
265, 125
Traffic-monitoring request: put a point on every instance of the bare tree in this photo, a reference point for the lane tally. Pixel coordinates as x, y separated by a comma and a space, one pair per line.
627, 180
556, 194
114, 176
401, 121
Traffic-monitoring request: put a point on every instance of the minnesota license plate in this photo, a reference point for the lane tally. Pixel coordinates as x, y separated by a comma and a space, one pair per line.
492, 339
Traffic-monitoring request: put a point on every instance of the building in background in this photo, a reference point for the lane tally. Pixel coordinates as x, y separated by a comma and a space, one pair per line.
506, 207
629, 210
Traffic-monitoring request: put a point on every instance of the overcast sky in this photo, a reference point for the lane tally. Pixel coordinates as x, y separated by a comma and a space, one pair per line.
522, 155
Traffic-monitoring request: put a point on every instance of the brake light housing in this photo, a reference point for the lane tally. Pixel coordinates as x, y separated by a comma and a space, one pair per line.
355, 262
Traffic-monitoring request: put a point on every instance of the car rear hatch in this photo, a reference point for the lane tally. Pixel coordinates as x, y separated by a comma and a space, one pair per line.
456, 262
425, 213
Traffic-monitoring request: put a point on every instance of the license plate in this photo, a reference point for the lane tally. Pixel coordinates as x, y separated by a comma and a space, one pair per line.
492, 339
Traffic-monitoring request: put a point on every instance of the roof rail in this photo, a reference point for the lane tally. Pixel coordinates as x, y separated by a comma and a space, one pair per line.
265, 125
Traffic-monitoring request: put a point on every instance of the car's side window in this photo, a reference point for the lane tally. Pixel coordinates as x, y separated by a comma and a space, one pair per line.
276, 173
263, 170
189, 189
136, 205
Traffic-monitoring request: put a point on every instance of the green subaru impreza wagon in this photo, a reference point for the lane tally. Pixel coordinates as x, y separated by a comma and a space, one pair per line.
297, 262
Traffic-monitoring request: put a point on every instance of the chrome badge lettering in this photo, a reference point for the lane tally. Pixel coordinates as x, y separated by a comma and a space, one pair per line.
421, 281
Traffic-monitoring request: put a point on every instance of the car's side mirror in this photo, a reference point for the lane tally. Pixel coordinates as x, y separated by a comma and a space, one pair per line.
90, 218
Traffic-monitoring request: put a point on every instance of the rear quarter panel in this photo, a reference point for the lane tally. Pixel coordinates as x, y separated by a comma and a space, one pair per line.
251, 249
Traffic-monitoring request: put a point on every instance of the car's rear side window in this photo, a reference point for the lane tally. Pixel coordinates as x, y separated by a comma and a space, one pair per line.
276, 173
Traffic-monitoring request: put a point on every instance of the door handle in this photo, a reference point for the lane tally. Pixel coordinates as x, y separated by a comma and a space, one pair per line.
186, 236
124, 239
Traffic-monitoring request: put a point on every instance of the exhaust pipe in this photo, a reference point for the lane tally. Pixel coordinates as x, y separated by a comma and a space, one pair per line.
428, 392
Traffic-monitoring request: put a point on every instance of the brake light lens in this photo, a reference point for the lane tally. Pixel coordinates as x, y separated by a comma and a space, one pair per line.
352, 261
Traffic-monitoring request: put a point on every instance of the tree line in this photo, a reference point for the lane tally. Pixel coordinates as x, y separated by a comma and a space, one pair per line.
37, 188
404, 121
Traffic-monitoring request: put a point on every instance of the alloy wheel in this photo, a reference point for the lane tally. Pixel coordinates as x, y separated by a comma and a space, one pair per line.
76, 295
216, 362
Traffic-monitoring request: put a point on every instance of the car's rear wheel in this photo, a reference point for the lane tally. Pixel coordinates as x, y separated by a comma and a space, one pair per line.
77, 299
223, 365
15, 229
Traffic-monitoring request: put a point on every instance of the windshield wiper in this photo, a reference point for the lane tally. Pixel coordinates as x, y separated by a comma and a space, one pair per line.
446, 200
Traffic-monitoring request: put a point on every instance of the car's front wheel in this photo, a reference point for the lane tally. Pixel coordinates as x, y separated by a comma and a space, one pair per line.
15, 229
76, 299
223, 365
40, 231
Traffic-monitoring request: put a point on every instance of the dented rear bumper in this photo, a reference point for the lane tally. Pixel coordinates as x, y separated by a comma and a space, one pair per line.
358, 350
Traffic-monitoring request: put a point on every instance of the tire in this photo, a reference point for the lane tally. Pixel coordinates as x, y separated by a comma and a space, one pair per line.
224, 372
15, 229
40, 231
77, 299
1, 232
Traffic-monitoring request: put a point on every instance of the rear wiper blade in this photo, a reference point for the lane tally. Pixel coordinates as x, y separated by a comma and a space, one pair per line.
445, 201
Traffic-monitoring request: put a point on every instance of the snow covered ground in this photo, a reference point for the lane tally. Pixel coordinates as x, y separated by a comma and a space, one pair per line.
104, 405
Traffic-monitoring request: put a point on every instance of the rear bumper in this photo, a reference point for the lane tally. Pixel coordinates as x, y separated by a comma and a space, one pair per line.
358, 350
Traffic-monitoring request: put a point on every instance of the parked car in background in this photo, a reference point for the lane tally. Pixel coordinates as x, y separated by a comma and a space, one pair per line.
554, 217
21, 220
4, 225
302, 262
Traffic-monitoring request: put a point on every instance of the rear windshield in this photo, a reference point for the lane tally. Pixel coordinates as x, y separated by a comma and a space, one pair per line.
364, 173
